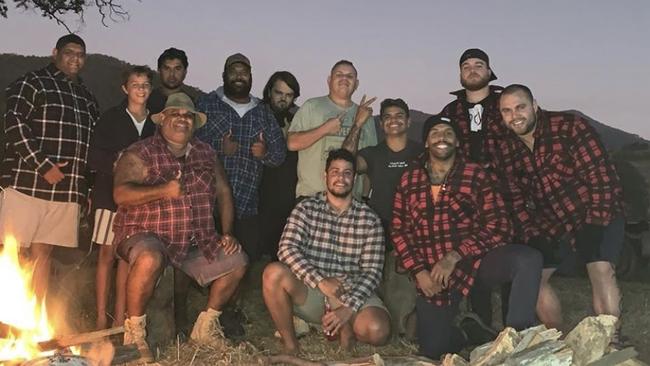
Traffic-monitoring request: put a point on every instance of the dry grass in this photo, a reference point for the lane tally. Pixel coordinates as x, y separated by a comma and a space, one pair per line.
574, 292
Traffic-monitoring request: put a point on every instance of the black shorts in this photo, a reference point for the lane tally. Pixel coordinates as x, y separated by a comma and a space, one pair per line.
564, 258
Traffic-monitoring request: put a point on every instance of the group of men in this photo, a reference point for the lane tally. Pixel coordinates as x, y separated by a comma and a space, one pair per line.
501, 194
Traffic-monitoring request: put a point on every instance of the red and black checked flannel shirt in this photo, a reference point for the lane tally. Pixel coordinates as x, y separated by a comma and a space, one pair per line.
49, 120
180, 222
469, 216
492, 125
567, 180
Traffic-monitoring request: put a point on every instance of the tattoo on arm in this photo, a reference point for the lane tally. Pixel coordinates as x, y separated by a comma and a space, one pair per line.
129, 169
351, 142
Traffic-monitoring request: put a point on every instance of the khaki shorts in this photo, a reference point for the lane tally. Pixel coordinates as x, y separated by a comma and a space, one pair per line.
194, 265
34, 220
314, 307
103, 228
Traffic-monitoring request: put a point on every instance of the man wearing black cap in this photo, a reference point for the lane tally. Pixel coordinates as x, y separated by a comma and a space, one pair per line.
450, 228
244, 132
476, 112
475, 109
246, 136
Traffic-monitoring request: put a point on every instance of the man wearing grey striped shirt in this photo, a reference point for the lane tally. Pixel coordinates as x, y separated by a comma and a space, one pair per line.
331, 258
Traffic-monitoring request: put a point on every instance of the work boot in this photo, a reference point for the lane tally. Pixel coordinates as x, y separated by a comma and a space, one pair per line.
300, 327
207, 329
135, 333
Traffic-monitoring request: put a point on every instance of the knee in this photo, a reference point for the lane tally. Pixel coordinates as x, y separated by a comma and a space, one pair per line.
149, 260
377, 333
601, 270
41, 251
273, 275
239, 273
374, 330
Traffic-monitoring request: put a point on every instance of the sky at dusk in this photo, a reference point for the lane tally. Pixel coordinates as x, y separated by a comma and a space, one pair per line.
590, 55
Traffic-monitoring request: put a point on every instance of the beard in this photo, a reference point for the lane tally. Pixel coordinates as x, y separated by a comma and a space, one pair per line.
444, 155
340, 194
475, 84
236, 91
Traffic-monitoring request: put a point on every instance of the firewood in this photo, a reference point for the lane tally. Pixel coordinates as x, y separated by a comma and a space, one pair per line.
77, 339
501, 348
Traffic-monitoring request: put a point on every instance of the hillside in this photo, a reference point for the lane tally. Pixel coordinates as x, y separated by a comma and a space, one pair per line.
102, 76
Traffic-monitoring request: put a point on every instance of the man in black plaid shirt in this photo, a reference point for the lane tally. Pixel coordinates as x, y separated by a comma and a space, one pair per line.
49, 120
331, 254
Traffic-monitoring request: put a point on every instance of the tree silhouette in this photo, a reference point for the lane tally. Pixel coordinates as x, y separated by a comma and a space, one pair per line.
54, 9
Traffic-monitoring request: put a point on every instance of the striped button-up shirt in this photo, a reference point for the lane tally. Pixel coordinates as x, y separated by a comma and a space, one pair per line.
49, 120
318, 243
243, 169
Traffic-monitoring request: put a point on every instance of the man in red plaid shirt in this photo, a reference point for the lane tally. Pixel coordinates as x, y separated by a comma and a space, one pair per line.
165, 188
566, 197
450, 229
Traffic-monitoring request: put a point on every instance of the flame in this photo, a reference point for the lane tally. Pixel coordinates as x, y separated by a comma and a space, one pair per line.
20, 308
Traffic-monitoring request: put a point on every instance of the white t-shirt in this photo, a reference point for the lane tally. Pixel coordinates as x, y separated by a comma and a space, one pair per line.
240, 108
139, 125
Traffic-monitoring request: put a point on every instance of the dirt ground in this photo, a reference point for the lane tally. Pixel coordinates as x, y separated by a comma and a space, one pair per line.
74, 286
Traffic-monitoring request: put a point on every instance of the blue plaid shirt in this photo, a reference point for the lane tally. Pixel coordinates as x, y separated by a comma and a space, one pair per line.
244, 171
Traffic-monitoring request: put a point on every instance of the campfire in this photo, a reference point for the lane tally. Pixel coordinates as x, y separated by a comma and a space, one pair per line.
24, 319
26, 332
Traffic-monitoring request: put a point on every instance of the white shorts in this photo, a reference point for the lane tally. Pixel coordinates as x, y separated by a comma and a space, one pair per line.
103, 228
34, 220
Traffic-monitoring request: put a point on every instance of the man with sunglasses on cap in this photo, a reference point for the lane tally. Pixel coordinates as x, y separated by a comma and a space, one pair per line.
450, 228
166, 187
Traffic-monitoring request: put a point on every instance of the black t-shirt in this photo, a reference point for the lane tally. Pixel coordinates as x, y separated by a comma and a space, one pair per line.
385, 169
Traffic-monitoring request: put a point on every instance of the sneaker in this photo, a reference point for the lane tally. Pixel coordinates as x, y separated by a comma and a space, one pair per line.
207, 329
475, 331
299, 326
232, 320
135, 333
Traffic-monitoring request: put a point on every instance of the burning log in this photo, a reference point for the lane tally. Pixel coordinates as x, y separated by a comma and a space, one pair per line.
77, 339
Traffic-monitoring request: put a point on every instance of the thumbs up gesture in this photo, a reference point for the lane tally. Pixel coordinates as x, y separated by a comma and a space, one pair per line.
258, 149
229, 145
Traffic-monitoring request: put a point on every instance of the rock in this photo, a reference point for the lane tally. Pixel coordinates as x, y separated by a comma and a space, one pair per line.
546, 353
590, 338
535, 335
453, 360
161, 326
500, 349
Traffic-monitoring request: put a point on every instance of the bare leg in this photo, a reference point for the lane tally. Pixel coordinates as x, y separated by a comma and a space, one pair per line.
141, 281
549, 309
372, 326
120, 292
281, 289
40, 253
606, 294
103, 284
222, 288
